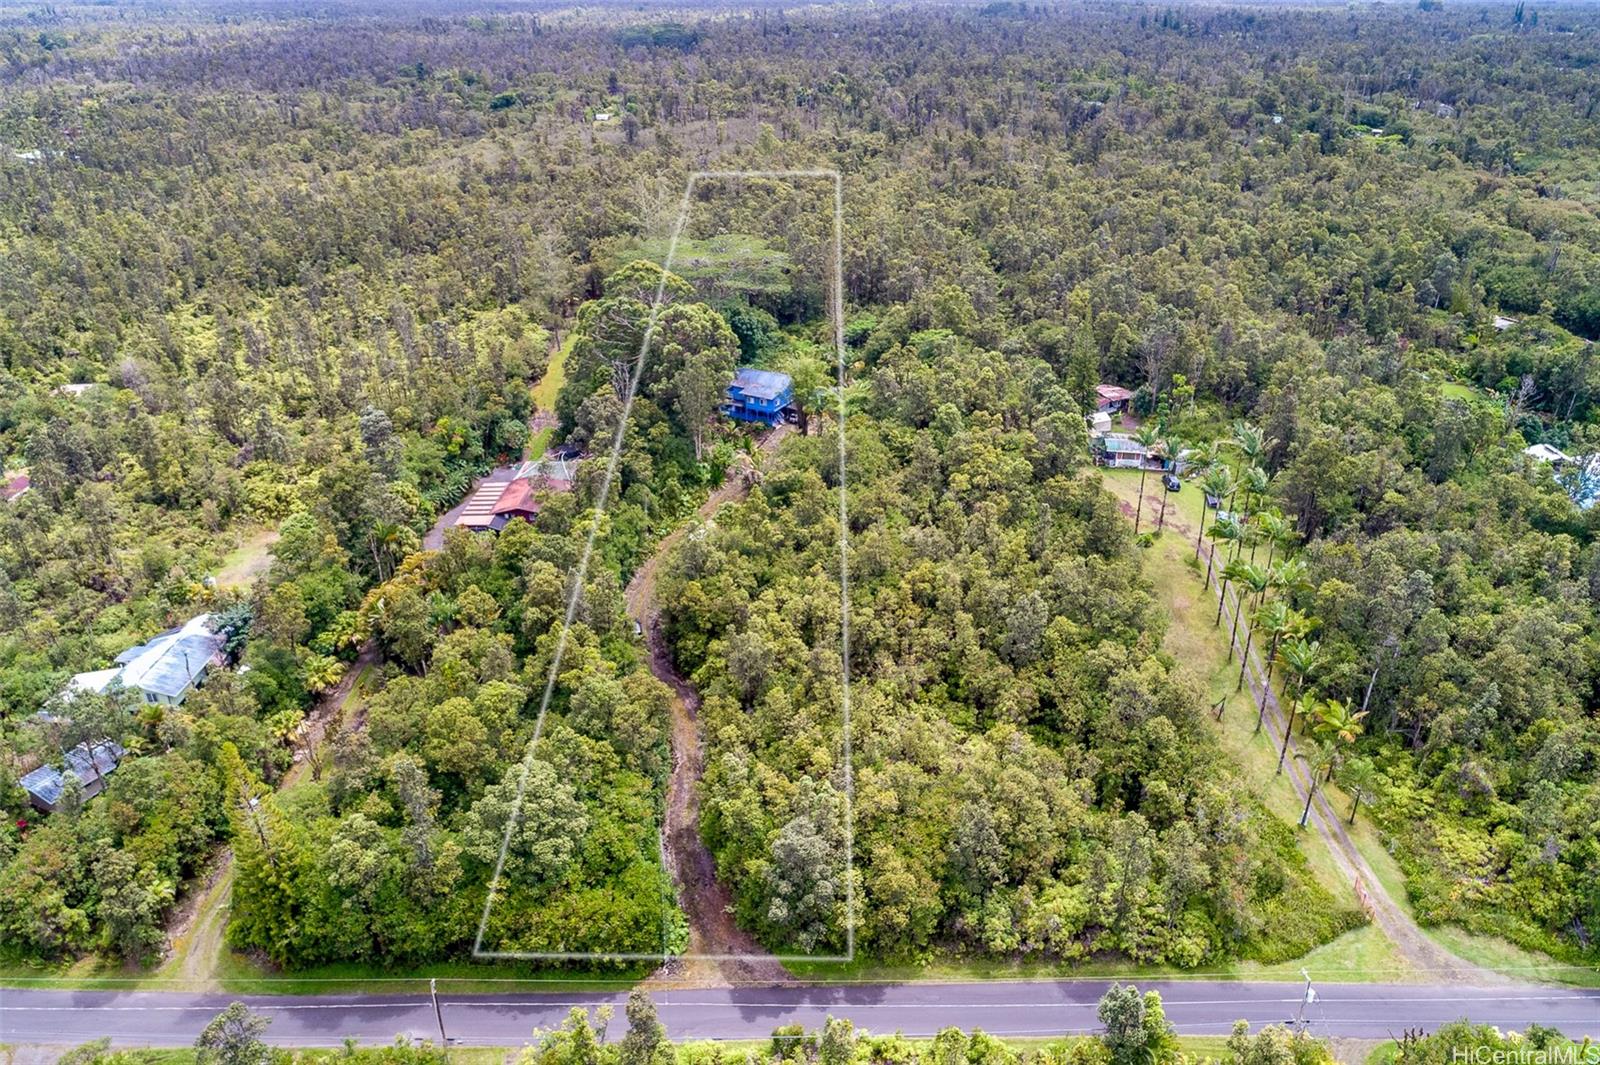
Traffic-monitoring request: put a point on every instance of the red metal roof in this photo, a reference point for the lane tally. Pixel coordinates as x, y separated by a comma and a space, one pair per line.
1113, 392
517, 498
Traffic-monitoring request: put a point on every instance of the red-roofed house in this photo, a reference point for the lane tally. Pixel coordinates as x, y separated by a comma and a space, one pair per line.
516, 502
498, 501
14, 487
1112, 399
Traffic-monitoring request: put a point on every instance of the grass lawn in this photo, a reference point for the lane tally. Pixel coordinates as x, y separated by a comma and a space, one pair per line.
555, 375
538, 444
186, 1055
244, 975
231, 972
544, 396
241, 566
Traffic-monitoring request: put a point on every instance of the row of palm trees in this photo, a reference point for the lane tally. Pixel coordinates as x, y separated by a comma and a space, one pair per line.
1232, 475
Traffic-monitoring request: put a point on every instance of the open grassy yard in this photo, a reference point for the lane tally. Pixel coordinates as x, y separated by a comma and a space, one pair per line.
241, 566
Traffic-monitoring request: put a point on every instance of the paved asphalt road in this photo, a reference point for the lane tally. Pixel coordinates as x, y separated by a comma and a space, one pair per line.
1004, 1008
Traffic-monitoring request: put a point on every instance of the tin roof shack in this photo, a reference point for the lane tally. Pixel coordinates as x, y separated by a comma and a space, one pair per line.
1112, 399
91, 764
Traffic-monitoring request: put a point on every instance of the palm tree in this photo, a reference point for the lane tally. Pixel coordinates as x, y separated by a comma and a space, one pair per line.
1337, 725
1278, 530
1301, 657
1320, 759
1148, 438
1289, 576
1360, 779
1275, 619
1283, 622
1302, 706
1224, 531
1255, 483
322, 672
1254, 578
1248, 536
1217, 484
1251, 442
1168, 448
1205, 458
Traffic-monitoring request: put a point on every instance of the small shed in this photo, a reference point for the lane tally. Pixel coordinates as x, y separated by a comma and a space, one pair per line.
1112, 399
91, 764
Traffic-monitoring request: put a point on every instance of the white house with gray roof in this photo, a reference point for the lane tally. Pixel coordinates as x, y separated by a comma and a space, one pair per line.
164, 669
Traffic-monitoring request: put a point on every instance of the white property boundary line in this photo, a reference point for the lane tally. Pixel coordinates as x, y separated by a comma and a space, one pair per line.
837, 311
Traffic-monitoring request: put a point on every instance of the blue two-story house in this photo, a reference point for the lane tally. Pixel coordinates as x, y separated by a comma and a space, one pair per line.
758, 396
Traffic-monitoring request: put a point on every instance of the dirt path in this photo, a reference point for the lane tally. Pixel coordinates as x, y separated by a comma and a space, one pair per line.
705, 899
195, 929
1413, 944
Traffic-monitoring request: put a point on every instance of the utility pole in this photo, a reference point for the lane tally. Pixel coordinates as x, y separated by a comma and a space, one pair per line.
253, 804
1307, 999
444, 1040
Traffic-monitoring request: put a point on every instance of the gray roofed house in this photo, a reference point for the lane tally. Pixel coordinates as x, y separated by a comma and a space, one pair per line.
168, 667
762, 384
89, 764
165, 668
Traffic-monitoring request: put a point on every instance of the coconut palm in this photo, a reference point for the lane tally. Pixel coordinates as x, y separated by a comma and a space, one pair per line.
1217, 484
1149, 438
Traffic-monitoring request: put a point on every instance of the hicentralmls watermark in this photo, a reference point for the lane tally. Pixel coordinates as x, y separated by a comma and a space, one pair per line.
1569, 1054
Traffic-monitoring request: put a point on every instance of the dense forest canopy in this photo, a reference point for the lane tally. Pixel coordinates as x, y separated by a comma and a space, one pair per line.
311, 260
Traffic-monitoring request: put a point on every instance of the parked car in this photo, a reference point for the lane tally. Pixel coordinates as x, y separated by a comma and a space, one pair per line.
638, 631
1170, 482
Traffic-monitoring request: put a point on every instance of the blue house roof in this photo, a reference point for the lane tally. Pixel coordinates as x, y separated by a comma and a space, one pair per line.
761, 384
1121, 444
47, 782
